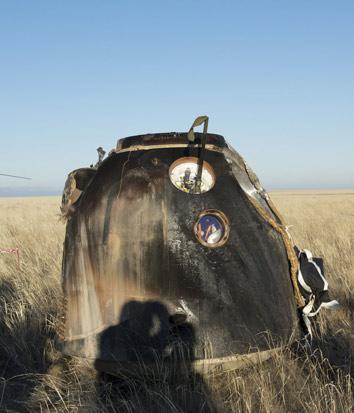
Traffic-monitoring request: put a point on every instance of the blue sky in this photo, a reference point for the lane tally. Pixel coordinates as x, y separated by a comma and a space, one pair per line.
275, 77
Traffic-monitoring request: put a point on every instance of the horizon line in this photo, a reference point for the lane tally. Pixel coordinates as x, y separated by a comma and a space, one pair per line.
297, 189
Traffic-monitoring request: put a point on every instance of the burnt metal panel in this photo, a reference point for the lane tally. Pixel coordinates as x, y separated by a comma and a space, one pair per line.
132, 263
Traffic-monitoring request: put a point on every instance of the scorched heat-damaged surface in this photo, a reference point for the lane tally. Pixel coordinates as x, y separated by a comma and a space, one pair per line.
139, 274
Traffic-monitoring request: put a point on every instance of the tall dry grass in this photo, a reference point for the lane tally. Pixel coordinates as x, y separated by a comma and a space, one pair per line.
35, 377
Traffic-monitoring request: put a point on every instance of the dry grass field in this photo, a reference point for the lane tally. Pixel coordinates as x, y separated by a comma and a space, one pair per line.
34, 377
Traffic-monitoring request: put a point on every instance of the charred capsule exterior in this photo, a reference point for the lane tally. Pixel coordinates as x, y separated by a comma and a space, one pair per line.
149, 260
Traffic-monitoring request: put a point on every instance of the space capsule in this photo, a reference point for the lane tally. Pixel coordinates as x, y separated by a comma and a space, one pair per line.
172, 243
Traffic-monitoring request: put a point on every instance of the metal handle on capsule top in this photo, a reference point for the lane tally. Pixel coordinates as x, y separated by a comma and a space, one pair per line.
191, 137
198, 121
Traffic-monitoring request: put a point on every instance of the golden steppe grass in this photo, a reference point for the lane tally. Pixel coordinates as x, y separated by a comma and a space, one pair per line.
34, 377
